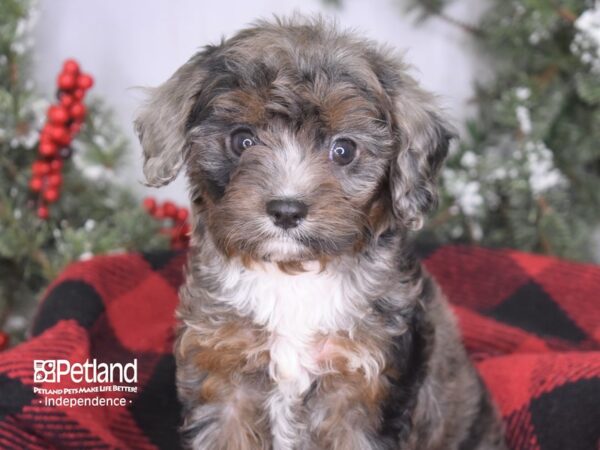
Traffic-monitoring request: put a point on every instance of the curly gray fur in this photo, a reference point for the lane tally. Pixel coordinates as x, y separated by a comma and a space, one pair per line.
327, 335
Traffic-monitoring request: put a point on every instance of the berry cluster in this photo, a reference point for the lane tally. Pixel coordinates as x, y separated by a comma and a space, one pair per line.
177, 229
4, 340
64, 120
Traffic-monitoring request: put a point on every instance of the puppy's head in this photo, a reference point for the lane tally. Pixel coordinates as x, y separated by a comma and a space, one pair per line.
299, 141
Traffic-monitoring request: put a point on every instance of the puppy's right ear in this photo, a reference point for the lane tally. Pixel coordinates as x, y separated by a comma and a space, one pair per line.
160, 125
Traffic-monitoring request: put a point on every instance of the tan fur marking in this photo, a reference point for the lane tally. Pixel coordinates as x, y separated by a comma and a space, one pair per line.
234, 347
249, 105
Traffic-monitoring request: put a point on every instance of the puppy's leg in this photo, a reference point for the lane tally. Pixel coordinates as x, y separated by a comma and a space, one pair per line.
485, 431
232, 420
344, 413
222, 381
285, 411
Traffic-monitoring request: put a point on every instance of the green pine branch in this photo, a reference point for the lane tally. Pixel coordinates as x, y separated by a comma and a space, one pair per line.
527, 171
95, 213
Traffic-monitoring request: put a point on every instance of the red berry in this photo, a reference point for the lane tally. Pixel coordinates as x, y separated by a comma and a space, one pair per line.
185, 230
35, 184
55, 180
71, 66
170, 209
66, 81
43, 212
84, 81
149, 204
58, 114
78, 94
180, 236
36, 168
177, 245
56, 165
159, 213
175, 234
60, 135
67, 100
46, 130
78, 111
45, 137
182, 214
66, 138
4, 339
51, 195
48, 149
40, 168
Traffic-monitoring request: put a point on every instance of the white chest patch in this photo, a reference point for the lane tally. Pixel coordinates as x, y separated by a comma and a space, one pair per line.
295, 309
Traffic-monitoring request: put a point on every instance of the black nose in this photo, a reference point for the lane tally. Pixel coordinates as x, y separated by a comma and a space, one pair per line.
287, 213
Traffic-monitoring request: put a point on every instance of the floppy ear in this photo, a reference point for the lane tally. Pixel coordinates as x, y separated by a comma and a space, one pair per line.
160, 124
423, 138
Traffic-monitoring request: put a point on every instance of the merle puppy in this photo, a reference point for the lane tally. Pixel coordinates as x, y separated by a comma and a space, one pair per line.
305, 320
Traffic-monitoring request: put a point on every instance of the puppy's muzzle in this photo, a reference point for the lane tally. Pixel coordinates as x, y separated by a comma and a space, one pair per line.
287, 213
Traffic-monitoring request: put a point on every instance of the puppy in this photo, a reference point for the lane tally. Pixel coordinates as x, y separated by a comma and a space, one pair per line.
305, 320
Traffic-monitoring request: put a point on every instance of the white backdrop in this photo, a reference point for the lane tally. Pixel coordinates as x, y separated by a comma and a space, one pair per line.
130, 43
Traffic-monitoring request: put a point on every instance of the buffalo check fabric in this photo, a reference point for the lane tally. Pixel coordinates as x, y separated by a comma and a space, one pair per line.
530, 323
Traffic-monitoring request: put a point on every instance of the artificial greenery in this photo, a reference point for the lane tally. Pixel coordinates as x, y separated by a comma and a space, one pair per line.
95, 213
526, 173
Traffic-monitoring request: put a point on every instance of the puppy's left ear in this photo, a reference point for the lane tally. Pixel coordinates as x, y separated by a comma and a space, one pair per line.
423, 138
160, 125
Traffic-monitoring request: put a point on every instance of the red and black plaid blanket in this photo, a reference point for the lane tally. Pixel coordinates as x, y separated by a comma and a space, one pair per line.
531, 323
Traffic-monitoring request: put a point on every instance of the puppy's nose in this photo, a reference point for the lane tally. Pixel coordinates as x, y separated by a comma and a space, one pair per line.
287, 213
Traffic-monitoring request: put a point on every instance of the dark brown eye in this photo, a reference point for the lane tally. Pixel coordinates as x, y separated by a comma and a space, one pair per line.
241, 140
343, 151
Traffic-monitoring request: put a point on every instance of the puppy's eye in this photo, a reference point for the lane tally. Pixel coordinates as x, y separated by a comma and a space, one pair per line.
343, 151
241, 140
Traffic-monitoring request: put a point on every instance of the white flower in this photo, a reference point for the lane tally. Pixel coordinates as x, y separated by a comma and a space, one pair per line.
456, 231
85, 256
499, 173
476, 231
589, 22
93, 172
586, 43
523, 93
470, 199
524, 119
28, 140
535, 38
19, 47
469, 159
15, 323
466, 193
543, 175
99, 140
89, 225
39, 107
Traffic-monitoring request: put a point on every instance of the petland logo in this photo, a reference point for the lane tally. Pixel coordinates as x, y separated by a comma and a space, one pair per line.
55, 370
